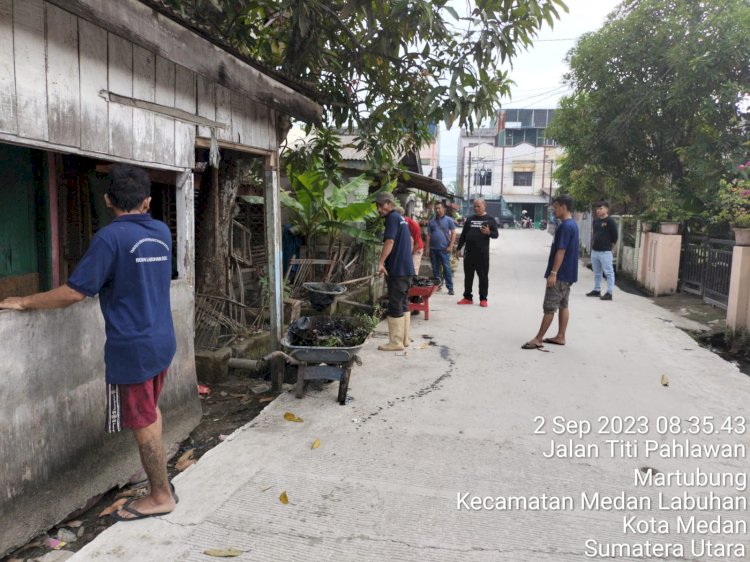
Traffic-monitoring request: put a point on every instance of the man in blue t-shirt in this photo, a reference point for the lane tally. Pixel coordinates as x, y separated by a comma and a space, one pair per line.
441, 237
129, 265
397, 266
561, 273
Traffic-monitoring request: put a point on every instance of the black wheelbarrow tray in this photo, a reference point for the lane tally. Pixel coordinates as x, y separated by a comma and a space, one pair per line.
323, 363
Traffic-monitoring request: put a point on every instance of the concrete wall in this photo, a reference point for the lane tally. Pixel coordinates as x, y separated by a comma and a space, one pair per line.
54, 453
628, 260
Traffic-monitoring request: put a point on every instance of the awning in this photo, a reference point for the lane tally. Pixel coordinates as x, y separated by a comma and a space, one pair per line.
423, 183
529, 199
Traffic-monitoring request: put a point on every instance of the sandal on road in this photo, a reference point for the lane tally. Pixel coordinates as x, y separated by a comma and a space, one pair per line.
550, 340
532, 345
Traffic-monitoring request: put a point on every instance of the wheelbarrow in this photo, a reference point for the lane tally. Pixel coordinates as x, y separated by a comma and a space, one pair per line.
322, 363
425, 292
323, 294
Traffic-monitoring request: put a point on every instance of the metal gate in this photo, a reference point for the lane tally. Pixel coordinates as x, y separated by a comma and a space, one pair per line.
706, 268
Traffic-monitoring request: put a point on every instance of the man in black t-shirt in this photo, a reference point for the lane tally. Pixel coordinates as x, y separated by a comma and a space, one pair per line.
603, 240
476, 234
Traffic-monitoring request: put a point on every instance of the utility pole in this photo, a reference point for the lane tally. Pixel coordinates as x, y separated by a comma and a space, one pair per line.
468, 188
502, 170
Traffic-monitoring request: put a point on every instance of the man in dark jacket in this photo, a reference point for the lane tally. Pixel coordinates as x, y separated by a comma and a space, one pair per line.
603, 240
476, 234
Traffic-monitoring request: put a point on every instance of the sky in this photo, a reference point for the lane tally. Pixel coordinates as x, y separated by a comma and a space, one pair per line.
538, 72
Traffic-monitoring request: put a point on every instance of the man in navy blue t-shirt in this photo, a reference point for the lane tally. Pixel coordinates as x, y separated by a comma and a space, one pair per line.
129, 265
396, 263
561, 273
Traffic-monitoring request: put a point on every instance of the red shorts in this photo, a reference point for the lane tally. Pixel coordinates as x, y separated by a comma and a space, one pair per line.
133, 406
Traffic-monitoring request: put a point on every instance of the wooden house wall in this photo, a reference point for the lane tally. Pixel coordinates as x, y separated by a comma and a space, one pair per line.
50, 93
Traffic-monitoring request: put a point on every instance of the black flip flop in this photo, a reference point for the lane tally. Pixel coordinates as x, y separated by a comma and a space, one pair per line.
136, 514
553, 342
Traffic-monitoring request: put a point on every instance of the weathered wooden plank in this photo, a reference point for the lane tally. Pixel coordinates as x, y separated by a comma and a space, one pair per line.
120, 68
92, 45
224, 112
144, 88
31, 68
206, 103
63, 83
241, 121
164, 126
273, 142
185, 99
8, 122
163, 36
185, 226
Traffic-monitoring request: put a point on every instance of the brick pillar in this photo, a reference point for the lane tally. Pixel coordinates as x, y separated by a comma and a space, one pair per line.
738, 306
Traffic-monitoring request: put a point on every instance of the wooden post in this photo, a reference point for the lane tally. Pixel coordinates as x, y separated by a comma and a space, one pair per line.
275, 275
184, 200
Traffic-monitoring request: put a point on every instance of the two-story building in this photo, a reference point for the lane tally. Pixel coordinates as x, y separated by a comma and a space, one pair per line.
513, 159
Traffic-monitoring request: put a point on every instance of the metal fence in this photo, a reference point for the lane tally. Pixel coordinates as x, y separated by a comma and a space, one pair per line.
706, 269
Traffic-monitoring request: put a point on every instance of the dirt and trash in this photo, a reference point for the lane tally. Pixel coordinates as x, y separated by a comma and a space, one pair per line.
329, 331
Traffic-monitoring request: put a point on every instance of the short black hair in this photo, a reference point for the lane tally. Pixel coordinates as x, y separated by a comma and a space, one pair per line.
128, 186
565, 200
601, 203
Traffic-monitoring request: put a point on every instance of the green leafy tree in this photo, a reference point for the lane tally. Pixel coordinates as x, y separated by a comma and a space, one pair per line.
390, 69
387, 68
325, 204
658, 101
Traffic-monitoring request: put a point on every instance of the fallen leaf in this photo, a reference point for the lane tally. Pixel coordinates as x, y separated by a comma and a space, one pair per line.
664, 380
283, 498
185, 460
222, 552
265, 399
315, 444
289, 416
113, 507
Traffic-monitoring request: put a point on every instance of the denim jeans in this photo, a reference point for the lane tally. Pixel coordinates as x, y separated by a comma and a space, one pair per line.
441, 259
602, 262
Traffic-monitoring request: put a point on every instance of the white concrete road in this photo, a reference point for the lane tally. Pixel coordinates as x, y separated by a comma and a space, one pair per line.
457, 415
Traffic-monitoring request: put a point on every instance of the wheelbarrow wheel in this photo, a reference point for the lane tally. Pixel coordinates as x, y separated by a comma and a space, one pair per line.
344, 385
